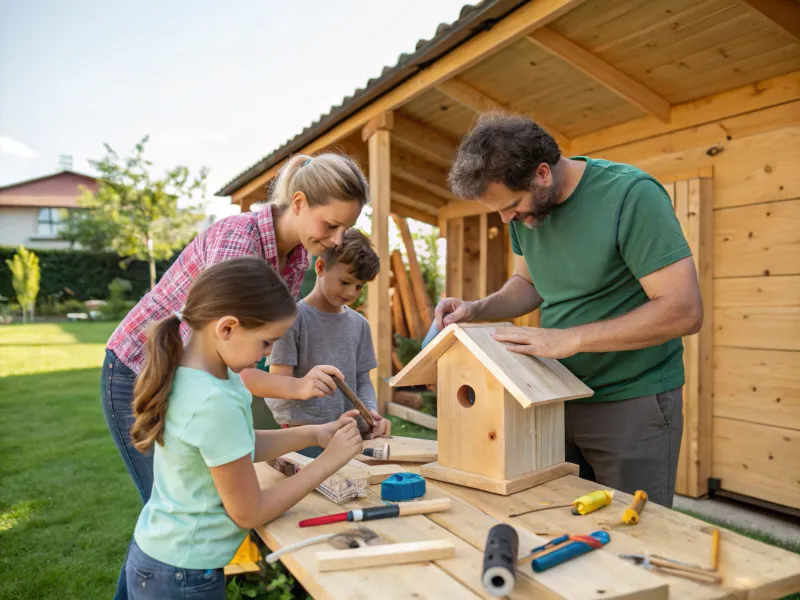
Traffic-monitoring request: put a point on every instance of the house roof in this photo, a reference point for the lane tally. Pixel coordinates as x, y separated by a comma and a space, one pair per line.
44, 177
531, 380
472, 20
55, 190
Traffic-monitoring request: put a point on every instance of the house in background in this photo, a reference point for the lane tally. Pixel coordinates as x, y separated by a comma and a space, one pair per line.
31, 211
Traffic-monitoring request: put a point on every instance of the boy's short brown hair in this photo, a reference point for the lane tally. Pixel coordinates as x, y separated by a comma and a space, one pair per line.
356, 252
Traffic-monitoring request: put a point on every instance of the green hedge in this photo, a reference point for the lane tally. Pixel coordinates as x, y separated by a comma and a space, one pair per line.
86, 274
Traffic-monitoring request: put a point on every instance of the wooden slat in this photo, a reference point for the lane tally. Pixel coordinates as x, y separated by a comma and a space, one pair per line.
415, 194
378, 289
602, 72
768, 327
757, 240
398, 320
406, 297
519, 23
694, 207
757, 386
411, 415
758, 460
404, 449
455, 257
410, 212
410, 202
690, 114
421, 299
782, 15
463, 208
483, 256
471, 257
496, 250
424, 141
743, 292
476, 100
418, 171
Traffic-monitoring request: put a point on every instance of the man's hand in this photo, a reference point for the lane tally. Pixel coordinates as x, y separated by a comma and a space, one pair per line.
535, 341
454, 310
382, 428
318, 382
326, 432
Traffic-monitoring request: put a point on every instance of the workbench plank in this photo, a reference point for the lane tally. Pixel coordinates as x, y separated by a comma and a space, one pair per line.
403, 450
749, 568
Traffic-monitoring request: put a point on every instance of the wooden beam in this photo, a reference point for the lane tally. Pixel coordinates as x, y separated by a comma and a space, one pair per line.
413, 213
423, 302
398, 321
483, 256
474, 99
418, 171
378, 312
400, 199
385, 120
694, 206
463, 208
424, 141
612, 78
519, 23
412, 415
749, 98
454, 277
783, 15
406, 297
413, 192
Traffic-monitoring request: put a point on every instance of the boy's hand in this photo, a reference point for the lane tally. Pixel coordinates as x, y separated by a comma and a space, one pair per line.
382, 428
318, 382
344, 445
326, 432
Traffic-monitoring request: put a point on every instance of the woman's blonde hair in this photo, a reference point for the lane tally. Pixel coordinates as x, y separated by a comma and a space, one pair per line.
321, 178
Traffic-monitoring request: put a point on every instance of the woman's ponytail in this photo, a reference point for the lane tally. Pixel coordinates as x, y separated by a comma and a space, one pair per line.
163, 351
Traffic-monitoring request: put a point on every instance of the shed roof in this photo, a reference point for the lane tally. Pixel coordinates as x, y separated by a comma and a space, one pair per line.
531, 380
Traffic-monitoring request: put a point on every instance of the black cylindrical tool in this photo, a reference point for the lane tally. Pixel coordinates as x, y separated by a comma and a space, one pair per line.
500, 560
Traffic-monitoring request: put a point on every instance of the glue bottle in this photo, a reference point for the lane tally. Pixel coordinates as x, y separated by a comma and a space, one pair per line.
592, 501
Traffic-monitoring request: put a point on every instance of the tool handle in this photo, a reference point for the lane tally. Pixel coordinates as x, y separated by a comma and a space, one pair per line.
631, 515
567, 550
715, 549
424, 507
698, 577
324, 520
355, 400
274, 556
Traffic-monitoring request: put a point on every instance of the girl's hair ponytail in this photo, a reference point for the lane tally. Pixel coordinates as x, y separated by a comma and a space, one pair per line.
321, 178
246, 288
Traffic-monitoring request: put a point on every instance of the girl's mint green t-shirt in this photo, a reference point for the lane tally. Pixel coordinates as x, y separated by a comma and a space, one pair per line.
209, 423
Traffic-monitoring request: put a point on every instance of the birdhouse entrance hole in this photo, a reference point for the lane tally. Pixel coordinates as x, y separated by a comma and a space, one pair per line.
466, 396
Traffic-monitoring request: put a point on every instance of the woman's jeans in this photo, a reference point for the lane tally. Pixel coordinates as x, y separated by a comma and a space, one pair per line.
116, 390
150, 579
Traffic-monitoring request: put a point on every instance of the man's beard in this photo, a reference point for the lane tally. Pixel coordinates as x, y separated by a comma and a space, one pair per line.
544, 199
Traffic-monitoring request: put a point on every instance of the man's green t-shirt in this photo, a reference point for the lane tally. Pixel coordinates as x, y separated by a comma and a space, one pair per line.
585, 260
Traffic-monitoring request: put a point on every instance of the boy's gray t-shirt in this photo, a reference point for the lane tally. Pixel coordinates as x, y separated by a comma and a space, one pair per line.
342, 340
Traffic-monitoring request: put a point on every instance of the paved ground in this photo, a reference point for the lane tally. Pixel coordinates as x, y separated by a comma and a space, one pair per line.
783, 527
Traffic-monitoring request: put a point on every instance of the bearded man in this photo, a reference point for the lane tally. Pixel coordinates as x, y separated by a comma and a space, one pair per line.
600, 251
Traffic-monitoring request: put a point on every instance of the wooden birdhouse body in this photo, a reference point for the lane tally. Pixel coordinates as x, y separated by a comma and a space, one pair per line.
500, 414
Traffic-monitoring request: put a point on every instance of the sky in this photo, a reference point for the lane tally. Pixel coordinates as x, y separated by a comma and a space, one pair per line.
216, 84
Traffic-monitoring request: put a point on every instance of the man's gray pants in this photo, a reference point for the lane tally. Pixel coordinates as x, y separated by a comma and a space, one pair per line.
628, 445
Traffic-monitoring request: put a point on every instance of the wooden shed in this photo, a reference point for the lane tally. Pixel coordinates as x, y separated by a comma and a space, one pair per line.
702, 94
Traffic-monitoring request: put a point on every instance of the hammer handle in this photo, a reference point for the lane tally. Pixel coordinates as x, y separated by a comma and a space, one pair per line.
355, 400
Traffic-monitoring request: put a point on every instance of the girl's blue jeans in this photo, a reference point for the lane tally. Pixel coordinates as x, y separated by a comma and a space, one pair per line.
150, 579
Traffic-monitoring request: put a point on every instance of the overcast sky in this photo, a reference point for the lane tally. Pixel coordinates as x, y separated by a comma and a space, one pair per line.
213, 83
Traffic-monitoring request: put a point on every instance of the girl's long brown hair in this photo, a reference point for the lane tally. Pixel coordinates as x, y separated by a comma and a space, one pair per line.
246, 288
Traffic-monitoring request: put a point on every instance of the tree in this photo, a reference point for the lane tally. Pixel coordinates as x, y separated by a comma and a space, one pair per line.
136, 215
78, 227
25, 277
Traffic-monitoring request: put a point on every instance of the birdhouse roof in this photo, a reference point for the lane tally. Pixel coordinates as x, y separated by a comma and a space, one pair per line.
531, 380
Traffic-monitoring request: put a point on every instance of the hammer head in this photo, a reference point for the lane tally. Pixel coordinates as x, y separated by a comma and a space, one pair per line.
355, 538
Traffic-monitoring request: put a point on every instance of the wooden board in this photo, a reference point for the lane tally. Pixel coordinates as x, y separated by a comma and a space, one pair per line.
757, 386
758, 460
743, 292
455, 257
412, 415
757, 240
768, 327
423, 302
496, 485
404, 449
530, 380
406, 296
398, 320
470, 269
384, 555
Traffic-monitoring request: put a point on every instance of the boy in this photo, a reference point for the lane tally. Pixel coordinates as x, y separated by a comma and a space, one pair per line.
328, 333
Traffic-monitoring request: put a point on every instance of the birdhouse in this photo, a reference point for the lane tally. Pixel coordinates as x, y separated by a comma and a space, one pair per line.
500, 413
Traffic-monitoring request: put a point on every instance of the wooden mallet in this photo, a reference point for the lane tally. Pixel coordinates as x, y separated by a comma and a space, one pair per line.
345, 389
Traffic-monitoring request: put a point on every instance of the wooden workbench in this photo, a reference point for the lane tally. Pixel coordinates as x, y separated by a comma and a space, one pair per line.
749, 568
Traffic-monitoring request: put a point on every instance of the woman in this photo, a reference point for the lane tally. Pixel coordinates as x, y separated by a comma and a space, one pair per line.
313, 202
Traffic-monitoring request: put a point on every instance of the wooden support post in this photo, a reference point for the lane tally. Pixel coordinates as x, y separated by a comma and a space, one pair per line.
455, 257
694, 208
379, 314
483, 257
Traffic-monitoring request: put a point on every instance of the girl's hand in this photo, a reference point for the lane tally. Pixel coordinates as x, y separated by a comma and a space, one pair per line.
382, 428
318, 382
344, 445
326, 432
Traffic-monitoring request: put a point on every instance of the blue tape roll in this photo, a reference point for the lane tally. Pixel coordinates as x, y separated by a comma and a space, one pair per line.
402, 486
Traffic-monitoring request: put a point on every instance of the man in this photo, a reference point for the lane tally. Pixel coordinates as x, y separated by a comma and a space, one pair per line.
600, 251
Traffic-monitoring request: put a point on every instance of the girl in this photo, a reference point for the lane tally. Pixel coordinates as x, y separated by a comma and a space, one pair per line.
313, 202
193, 410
